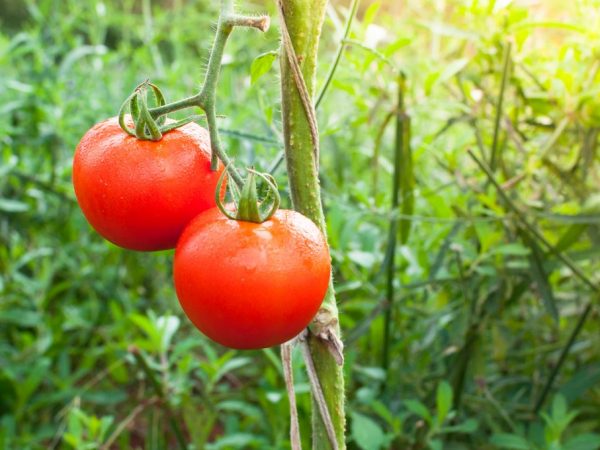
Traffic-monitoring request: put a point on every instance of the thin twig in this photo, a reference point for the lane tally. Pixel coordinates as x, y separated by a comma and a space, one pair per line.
400, 145
505, 65
300, 83
288, 375
127, 420
316, 389
563, 355
339, 52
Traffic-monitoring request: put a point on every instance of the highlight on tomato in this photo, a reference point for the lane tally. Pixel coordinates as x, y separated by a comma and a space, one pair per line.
251, 280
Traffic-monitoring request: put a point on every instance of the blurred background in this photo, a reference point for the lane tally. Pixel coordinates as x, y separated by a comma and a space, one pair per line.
473, 324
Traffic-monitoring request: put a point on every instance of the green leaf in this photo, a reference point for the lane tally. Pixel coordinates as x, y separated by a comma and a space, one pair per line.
443, 401
539, 275
167, 325
231, 365
367, 434
510, 441
236, 440
363, 259
513, 249
418, 408
588, 441
585, 378
436, 444
570, 237
8, 205
261, 65
559, 408
452, 68
370, 13
468, 426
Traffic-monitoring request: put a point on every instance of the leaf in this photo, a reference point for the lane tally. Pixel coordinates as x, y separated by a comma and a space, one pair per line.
585, 378
367, 434
539, 275
8, 399
443, 401
436, 444
396, 45
243, 408
8, 205
510, 441
231, 365
570, 237
370, 13
236, 440
418, 408
468, 426
363, 259
167, 325
376, 373
559, 408
452, 68
261, 65
513, 249
588, 441
7, 166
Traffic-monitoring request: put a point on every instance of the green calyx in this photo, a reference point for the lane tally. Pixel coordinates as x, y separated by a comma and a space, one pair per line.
248, 208
146, 126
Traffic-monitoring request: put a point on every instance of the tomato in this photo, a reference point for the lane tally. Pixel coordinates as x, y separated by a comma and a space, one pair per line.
251, 285
141, 194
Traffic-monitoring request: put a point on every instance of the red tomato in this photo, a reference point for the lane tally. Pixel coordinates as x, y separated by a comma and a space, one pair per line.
139, 194
251, 285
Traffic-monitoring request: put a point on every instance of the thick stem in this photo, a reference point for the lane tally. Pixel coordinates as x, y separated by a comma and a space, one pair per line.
304, 19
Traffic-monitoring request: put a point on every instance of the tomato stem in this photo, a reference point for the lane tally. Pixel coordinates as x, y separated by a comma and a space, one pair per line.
248, 208
301, 22
205, 99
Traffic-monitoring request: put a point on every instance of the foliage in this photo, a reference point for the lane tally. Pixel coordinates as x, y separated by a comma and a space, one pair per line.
482, 310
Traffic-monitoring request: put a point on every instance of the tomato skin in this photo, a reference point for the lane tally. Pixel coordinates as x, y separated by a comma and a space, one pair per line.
138, 194
247, 285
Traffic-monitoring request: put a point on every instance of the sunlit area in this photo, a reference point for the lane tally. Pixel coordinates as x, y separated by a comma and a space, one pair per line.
364, 225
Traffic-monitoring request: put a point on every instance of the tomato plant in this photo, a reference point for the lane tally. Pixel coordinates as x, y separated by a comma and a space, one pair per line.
251, 285
140, 194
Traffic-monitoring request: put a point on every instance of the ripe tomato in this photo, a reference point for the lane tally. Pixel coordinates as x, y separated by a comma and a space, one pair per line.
251, 285
139, 194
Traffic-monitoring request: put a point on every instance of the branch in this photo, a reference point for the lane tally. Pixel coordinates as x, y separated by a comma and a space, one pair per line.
288, 375
316, 389
207, 97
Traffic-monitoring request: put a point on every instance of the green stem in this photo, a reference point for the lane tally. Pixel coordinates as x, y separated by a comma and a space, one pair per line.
339, 52
505, 66
176, 106
563, 356
206, 99
393, 232
304, 19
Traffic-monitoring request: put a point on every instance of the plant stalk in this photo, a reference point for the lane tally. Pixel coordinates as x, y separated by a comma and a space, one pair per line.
303, 20
399, 152
206, 98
